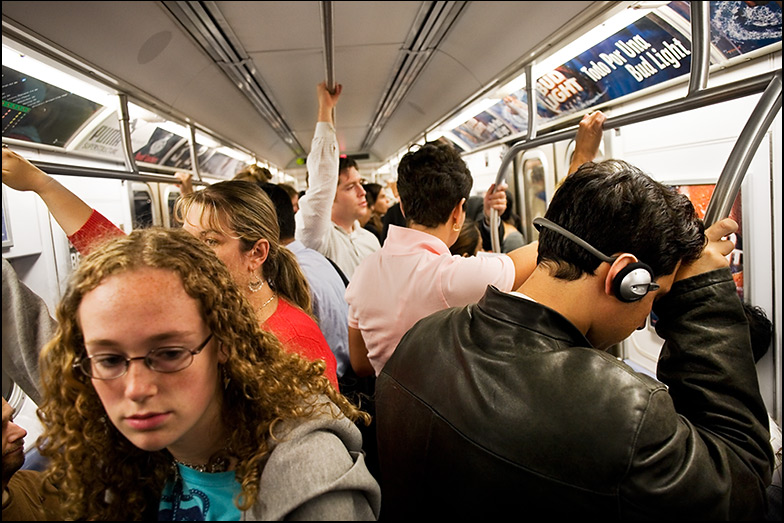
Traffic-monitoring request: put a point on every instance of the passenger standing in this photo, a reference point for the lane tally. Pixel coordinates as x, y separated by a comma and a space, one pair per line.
326, 286
520, 387
513, 235
328, 213
468, 242
164, 399
414, 274
27, 326
237, 219
377, 206
293, 195
254, 173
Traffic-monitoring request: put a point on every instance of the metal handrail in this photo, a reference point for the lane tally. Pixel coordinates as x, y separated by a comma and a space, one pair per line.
700, 98
125, 132
742, 153
328, 32
96, 172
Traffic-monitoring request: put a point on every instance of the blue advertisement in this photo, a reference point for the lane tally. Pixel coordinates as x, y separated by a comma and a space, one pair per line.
644, 54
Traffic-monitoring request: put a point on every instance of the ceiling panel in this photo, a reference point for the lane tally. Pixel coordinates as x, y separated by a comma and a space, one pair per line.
145, 47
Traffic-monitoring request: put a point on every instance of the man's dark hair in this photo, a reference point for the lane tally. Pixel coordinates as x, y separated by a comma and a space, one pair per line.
431, 182
372, 190
283, 207
760, 330
617, 208
345, 164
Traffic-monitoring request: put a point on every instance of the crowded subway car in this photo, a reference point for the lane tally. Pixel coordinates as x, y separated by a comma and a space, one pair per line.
609, 344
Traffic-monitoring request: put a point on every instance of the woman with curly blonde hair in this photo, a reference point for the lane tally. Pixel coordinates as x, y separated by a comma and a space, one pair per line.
163, 398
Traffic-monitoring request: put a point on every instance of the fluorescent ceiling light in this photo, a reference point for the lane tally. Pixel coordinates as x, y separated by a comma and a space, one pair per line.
596, 35
28, 65
468, 113
237, 155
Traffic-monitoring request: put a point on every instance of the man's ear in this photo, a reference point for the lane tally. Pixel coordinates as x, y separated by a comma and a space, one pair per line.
458, 213
615, 268
257, 255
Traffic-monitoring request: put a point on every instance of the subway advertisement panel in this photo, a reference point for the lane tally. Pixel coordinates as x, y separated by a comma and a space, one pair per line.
644, 54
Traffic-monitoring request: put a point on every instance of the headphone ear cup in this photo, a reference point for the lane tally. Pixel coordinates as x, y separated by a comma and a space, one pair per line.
631, 283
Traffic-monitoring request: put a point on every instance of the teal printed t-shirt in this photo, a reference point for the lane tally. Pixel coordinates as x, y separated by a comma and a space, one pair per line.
200, 496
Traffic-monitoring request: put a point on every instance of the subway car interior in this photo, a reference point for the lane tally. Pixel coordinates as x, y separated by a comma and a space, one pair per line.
113, 98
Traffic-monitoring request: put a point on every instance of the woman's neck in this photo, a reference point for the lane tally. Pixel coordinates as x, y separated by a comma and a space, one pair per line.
264, 302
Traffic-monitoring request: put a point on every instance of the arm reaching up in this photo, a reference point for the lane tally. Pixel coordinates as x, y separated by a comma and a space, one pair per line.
589, 136
81, 223
67, 208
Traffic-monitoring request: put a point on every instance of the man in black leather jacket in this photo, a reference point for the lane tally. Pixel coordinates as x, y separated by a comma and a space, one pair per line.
511, 407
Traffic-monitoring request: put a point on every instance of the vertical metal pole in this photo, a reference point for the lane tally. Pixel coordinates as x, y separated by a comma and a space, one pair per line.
742, 153
125, 133
700, 46
327, 31
194, 155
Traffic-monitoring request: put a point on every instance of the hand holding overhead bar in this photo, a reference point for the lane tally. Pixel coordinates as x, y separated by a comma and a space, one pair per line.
327, 101
588, 139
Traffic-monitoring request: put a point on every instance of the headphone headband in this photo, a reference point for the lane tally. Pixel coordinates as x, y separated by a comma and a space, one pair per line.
544, 222
632, 283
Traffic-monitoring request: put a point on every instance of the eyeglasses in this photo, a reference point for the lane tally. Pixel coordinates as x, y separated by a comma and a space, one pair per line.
162, 359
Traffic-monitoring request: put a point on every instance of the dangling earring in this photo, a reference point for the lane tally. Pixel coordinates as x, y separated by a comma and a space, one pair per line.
255, 286
456, 227
226, 378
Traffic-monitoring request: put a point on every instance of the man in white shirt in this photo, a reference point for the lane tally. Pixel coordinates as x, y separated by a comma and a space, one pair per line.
328, 213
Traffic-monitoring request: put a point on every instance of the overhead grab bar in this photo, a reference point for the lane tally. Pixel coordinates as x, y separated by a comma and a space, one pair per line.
743, 151
703, 98
327, 31
95, 172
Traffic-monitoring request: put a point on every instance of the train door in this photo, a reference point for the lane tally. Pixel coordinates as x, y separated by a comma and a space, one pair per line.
167, 196
536, 176
145, 205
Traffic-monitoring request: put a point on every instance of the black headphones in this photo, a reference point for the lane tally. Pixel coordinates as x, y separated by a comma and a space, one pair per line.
632, 283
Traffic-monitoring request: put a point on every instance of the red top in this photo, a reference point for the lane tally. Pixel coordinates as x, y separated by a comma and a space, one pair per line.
300, 334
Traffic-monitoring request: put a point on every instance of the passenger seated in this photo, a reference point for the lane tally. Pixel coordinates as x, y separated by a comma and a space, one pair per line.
243, 233
512, 404
164, 399
26, 495
414, 274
